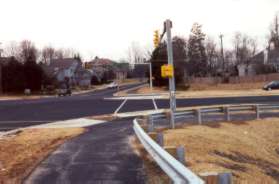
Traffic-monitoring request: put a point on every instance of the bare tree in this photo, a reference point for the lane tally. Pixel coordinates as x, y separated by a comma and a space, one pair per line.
48, 53
12, 49
136, 54
245, 47
28, 51
212, 54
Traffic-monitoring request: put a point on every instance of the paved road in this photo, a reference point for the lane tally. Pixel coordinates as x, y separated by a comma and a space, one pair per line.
21, 113
102, 156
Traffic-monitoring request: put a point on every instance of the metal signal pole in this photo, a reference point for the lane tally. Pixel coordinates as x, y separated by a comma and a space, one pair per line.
168, 26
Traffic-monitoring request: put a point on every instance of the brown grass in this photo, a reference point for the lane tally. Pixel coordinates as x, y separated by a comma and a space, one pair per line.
20, 153
154, 174
219, 90
250, 150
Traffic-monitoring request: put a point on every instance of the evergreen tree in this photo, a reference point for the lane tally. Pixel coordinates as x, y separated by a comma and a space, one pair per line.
197, 63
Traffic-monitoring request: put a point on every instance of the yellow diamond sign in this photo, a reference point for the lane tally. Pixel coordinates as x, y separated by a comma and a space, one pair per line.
167, 71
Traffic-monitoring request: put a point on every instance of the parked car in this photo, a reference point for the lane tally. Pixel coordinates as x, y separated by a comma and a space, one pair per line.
64, 91
112, 85
271, 85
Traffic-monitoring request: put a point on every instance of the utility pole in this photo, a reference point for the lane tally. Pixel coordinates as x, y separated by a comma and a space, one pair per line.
168, 26
222, 54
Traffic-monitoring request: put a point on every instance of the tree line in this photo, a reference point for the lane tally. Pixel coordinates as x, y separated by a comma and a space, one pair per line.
201, 56
23, 69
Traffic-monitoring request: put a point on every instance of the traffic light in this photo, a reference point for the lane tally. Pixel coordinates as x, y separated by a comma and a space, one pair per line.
156, 39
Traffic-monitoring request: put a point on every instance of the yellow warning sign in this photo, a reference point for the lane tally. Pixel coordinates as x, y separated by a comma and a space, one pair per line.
167, 71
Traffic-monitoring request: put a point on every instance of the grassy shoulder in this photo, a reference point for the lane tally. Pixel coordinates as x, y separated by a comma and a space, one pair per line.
219, 90
249, 150
20, 153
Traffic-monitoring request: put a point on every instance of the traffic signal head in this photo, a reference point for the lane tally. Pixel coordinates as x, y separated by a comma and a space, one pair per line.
156, 39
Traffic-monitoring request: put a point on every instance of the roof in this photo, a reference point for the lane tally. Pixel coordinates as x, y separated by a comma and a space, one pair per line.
101, 61
62, 63
57, 65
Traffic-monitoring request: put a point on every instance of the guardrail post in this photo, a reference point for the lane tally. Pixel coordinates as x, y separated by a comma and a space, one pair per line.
257, 108
160, 139
150, 125
180, 152
210, 177
177, 152
199, 116
225, 178
227, 113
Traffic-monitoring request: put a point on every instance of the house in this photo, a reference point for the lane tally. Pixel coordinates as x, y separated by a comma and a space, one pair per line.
83, 77
103, 69
62, 69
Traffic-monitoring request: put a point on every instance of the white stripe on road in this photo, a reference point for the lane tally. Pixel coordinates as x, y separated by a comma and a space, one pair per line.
154, 103
121, 105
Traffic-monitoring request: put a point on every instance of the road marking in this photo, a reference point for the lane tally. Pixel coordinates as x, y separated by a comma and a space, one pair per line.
154, 103
121, 105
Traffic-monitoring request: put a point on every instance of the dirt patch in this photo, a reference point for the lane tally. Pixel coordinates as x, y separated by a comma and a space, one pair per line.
247, 149
20, 153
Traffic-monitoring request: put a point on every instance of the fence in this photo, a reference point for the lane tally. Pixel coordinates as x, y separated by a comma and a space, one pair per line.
172, 167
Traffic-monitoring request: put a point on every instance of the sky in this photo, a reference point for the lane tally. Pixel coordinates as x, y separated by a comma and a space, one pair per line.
106, 28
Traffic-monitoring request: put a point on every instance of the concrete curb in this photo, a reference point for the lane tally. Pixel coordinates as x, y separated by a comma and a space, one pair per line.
127, 90
74, 123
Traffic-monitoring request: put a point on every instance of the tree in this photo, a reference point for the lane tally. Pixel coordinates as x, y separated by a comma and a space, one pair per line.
213, 61
197, 61
28, 51
136, 54
33, 74
274, 34
245, 47
13, 76
48, 53
159, 57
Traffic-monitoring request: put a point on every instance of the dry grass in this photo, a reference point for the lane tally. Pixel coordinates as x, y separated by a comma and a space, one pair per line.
154, 174
220, 90
250, 150
20, 153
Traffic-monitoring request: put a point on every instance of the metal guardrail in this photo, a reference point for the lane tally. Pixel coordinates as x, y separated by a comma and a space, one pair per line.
173, 168
227, 110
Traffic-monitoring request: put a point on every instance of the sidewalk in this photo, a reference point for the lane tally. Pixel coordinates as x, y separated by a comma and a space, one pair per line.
101, 155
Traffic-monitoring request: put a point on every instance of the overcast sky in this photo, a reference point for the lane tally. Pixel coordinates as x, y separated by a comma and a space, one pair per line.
107, 27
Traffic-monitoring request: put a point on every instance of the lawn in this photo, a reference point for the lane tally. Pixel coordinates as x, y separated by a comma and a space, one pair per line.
20, 153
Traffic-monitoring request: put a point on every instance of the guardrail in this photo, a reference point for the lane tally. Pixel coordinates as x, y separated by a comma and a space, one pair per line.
258, 109
173, 168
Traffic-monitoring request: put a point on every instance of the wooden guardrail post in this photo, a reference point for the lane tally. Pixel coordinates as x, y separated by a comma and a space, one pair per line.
226, 111
199, 116
216, 178
177, 152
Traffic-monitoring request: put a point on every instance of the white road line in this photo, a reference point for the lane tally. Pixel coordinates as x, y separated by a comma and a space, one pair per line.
122, 104
154, 103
